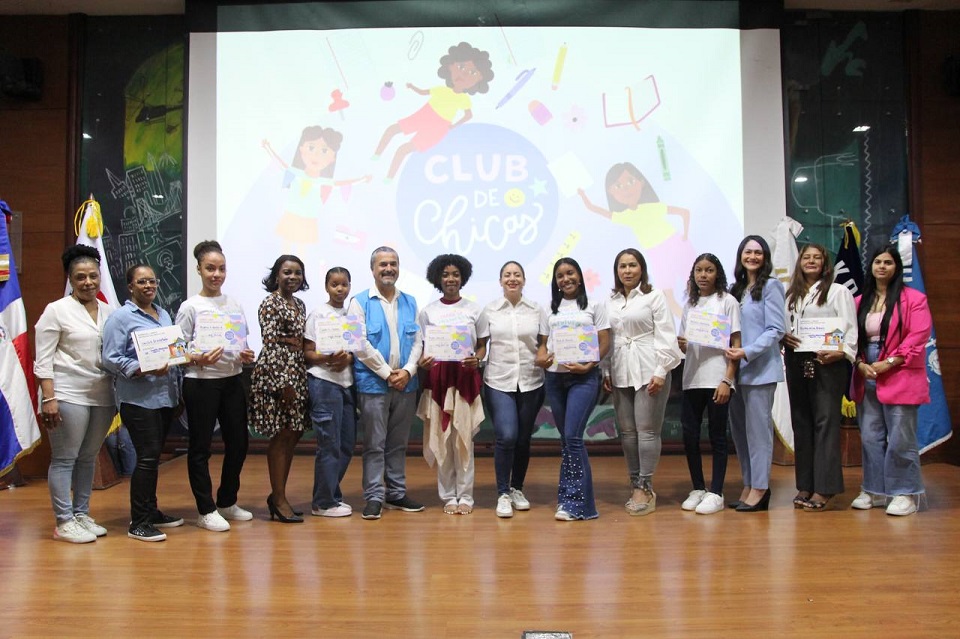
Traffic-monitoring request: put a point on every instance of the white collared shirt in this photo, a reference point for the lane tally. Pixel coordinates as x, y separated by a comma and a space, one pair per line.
68, 344
514, 332
643, 337
839, 304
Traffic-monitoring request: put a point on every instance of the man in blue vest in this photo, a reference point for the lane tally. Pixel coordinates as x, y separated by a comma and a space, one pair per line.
386, 377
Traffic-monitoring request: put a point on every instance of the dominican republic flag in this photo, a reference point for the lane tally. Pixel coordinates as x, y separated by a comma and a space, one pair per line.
848, 270
933, 419
19, 432
89, 230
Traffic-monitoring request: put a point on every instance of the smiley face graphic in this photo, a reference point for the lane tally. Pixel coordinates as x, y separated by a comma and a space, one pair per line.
514, 198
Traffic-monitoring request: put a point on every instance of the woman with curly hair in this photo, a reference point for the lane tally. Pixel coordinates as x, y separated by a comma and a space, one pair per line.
278, 395
450, 407
465, 71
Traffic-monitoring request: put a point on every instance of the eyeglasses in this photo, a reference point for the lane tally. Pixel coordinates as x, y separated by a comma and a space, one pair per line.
144, 281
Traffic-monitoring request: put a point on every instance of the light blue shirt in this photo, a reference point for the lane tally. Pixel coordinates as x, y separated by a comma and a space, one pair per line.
762, 325
120, 358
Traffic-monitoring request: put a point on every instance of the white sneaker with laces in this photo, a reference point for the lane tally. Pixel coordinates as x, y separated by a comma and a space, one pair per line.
711, 503
72, 531
866, 501
902, 505
235, 513
693, 499
340, 510
213, 521
88, 522
346, 505
520, 502
563, 515
504, 506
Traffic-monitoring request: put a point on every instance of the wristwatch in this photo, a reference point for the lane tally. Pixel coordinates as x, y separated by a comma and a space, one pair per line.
892, 361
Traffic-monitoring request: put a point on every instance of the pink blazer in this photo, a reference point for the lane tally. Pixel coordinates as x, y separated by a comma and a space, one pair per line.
907, 383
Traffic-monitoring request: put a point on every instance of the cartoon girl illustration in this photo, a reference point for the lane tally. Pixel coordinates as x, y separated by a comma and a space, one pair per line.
309, 177
635, 204
466, 71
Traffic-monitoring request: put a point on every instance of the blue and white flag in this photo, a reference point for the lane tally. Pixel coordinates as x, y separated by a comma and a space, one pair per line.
848, 271
933, 420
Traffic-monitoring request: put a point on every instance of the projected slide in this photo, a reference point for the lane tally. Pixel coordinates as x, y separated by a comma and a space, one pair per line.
499, 144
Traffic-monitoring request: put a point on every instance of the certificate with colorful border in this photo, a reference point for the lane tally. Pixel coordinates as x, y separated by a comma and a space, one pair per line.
575, 344
220, 330
448, 343
708, 329
335, 333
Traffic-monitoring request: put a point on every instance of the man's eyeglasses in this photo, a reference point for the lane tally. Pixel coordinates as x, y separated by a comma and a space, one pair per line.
144, 281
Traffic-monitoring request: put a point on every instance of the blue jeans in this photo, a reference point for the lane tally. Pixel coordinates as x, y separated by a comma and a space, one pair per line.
74, 446
572, 399
513, 416
334, 417
888, 432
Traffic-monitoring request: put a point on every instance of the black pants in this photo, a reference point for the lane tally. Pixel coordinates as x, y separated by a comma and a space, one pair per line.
148, 428
695, 401
815, 413
209, 400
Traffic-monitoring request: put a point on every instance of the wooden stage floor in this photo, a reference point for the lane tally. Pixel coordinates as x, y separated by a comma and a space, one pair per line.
784, 573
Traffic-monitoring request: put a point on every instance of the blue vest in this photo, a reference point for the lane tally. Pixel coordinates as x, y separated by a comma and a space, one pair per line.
378, 334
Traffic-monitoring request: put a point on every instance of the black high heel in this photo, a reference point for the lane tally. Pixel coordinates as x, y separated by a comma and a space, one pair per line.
763, 504
283, 519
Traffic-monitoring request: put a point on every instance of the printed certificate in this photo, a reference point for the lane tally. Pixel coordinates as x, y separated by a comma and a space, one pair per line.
447, 343
159, 347
335, 333
215, 330
820, 334
708, 329
575, 344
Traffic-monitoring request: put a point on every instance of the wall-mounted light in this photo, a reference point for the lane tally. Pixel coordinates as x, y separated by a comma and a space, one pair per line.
87, 136
863, 128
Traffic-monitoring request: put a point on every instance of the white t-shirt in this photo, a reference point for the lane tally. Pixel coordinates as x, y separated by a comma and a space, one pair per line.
68, 344
705, 367
569, 314
229, 363
512, 349
343, 378
462, 313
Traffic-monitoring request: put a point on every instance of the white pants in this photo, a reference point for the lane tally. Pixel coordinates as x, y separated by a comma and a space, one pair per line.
453, 482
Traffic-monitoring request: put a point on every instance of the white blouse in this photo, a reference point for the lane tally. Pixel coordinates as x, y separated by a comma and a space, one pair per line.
644, 341
839, 304
68, 346
512, 349
569, 314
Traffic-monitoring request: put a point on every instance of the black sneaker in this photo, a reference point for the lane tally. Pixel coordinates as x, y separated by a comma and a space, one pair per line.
405, 504
372, 510
146, 532
160, 520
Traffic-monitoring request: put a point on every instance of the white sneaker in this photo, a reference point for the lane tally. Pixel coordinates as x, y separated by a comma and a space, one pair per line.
866, 501
235, 513
504, 506
213, 521
693, 499
520, 502
88, 522
71, 530
902, 505
347, 506
340, 510
563, 515
711, 503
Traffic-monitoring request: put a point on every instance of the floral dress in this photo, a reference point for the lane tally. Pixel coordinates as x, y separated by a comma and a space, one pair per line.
278, 367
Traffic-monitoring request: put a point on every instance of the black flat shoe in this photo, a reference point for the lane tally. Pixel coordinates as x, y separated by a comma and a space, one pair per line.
763, 504
283, 519
734, 504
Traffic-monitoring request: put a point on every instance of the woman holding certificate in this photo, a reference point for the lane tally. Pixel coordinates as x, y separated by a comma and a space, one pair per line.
644, 352
147, 394
329, 340
216, 326
889, 383
822, 320
579, 337
77, 402
278, 394
450, 406
514, 385
761, 367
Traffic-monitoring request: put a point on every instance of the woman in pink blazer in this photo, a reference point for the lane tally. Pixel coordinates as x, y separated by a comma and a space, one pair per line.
889, 384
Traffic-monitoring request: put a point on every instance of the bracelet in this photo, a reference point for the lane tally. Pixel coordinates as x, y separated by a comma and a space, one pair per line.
727, 381
48, 399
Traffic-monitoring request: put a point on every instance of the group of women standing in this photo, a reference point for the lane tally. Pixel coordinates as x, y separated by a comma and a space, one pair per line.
88, 368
